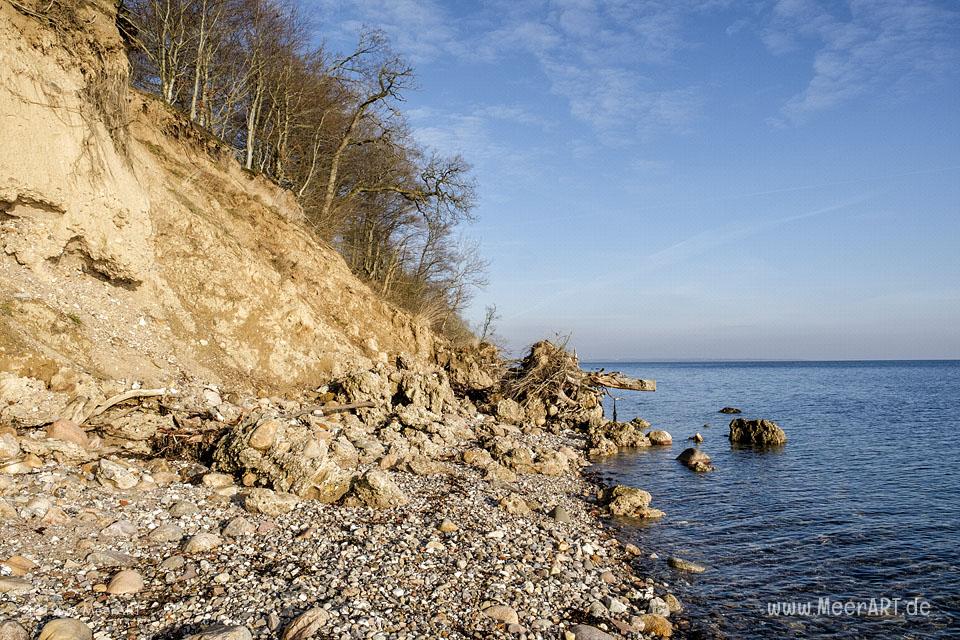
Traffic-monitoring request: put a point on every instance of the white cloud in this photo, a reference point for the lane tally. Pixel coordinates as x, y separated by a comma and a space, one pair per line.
880, 46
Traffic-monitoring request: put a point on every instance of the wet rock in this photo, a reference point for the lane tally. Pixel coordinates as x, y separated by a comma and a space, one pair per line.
660, 438
730, 410
222, 633
307, 624
13, 630
756, 432
268, 502
658, 606
65, 629
695, 459
126, 581
502, 613
656, 625
376, 489
696, 438
673, 603
622, 500
685, 565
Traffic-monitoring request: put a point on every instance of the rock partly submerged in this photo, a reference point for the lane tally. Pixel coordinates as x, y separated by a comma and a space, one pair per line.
758, 433
695, 459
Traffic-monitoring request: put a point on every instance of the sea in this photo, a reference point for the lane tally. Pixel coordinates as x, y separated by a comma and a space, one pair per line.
850, 530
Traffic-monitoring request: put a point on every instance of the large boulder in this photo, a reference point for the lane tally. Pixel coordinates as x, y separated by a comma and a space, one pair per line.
660, 438
756, 432
609, 437
284, 455
629, 502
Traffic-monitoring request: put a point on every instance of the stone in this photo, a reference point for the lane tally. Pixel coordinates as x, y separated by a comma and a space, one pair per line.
9, 446
447, 526
697, 438
15, 586
68, 431
269, 502
120, 529
115, 474
560, 514
510, 411
217, 480
730, 410
756, 432
622, 500
658, 606
18, 565
137, 426
613, 605
239, 527
13, 630
376, 489
36, 508
656, 625
110, 559
184, 508
306, 625
222, 633
265, 434
586, 632
502, 613
685, 565
65, 629
514, 505
126, 581
202, 542
695, 459
660, 438
673, 603
168, 532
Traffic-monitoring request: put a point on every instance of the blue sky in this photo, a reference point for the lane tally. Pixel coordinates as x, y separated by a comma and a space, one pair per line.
711, 179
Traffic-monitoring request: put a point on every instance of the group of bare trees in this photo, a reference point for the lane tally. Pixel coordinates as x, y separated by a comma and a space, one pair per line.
329, 128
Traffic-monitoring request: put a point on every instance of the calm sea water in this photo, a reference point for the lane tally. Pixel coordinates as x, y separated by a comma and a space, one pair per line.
862, 503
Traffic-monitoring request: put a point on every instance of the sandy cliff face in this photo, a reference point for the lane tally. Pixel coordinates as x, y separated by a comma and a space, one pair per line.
134, 247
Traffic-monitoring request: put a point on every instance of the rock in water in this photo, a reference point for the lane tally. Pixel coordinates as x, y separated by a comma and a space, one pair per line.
65, 629
730, 410
656, 625
756, 432
660, 438
685, 565
697, 438
222, 633
695, 459
631, 502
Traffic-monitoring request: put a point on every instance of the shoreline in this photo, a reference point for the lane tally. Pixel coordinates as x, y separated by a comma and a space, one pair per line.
466, 555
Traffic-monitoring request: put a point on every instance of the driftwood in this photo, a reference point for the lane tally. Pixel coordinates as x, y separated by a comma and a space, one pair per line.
325, 410
616, 380
117, 399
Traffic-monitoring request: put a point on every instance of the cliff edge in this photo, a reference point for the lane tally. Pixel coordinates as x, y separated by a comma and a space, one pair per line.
135, 247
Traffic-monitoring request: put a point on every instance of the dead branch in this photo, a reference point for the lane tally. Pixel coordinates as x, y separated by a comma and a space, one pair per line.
123, 397
325, 410
616, 380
